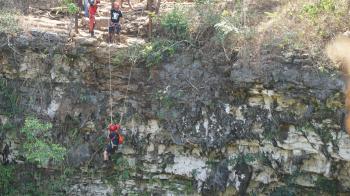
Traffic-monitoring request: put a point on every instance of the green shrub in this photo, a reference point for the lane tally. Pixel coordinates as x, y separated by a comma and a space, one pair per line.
7, 127
228, 24
208, 14
123, 169
175, 24
8, 106
131, 55
155, 52
204, 16
72, 8
244, 159
323, 6
38, 146
9, 21
165, 99
327, 185
6, 178
151, 53
121, 172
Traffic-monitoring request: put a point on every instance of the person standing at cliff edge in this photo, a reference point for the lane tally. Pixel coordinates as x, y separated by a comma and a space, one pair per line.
114, 25
92, 13
86, 8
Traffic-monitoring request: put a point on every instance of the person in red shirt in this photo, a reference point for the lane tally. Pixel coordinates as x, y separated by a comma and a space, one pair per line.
114, 138
92, 13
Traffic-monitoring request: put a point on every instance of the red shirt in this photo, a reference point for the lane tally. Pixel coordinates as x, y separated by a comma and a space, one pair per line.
93, 9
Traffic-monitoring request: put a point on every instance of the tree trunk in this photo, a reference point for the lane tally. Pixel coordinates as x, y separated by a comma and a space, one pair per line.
158, 6
76, 23
77, 16
149, 5
150, 26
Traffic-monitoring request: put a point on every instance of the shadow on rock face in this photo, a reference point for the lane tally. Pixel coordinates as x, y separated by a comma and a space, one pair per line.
244, 174
218, 179
79, 155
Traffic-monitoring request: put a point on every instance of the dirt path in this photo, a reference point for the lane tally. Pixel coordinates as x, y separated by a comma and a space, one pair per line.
133, 29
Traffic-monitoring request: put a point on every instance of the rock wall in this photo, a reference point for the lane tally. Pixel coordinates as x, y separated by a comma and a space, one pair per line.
24, 5
194, 125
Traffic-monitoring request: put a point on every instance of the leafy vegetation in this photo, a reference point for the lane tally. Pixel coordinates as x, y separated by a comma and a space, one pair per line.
7, 127
325, 133
9, 21
39, 146
158, 51
149, 54
320, 7
206, 15
244, 159
6, 178
165, 99
121, 172
131, 55
72, 8
22, 179
327, 185
123, 168
307, 25
9, 99
175, 24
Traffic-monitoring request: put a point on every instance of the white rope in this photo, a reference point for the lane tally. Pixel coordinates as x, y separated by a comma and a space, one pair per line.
110, 81
127, 87
126, 94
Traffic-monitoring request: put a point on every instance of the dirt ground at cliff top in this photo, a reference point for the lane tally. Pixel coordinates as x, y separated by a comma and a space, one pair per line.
55, 21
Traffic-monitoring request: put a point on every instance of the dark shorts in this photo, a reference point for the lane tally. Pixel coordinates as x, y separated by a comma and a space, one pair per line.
114, 28
111, 150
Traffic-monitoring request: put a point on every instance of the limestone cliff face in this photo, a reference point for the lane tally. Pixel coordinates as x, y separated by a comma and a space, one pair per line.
193, 124
25, 5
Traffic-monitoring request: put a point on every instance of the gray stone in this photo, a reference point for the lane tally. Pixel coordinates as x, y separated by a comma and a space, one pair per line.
79, 155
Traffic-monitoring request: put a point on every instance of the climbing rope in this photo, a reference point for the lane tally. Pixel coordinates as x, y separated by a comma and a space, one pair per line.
110, 88
110, 83
126, 94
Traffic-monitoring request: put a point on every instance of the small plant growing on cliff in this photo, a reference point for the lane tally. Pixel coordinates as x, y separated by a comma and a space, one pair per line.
175, 24
323, 6
328, 185
71, 6
243, 159
38, 146
158, 51
6, 177
72, 10
8, 104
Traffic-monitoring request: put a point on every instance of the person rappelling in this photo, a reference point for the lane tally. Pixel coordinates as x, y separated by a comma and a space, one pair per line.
114, 140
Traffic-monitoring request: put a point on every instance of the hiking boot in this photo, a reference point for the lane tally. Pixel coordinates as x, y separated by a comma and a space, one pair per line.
92, 34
